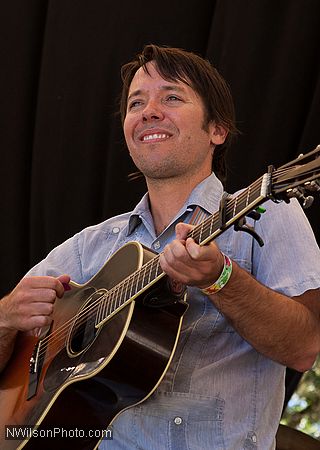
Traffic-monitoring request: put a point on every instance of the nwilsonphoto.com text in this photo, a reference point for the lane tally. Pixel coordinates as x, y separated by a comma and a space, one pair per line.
18, 432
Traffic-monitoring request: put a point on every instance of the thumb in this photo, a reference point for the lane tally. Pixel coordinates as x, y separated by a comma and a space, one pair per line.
65, 280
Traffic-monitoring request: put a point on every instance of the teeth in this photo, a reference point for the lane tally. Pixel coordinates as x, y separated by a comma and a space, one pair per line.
148, 137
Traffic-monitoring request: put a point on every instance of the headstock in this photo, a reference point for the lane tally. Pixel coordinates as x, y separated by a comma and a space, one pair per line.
298, 178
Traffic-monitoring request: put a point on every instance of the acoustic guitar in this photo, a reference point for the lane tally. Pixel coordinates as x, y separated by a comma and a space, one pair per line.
112, 339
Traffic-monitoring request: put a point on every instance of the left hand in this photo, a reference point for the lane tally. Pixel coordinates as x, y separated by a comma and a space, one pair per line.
189, 263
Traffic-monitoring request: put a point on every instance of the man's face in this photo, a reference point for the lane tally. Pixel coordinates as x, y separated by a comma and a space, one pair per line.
164, 128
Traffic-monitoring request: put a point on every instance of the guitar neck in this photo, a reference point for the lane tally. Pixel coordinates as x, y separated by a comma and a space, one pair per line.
142, 279
235, 208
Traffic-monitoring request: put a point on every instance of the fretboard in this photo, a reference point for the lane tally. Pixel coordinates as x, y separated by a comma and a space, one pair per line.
142, 279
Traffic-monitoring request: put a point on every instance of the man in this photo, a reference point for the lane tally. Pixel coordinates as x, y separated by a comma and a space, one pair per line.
224, 388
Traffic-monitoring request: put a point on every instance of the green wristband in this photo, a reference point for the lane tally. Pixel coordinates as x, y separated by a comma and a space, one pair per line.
222, 280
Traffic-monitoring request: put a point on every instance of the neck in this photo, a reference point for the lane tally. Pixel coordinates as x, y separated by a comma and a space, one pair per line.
167, 197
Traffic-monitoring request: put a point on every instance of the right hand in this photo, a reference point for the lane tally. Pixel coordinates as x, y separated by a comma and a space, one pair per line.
30, 304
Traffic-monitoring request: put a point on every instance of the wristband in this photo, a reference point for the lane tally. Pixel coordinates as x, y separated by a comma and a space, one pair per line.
222, 280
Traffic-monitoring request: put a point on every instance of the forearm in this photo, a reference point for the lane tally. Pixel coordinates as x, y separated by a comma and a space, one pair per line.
277, 326
7, 340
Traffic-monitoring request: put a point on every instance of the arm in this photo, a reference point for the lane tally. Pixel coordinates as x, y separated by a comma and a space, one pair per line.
282, 328
27, 307
7, 339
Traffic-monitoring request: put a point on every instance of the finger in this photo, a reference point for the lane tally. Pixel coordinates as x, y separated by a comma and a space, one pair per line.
37, 282
176, 253
171, 271
209, 252
57, 284
194, 250
30, 316
64, 280
40, 295
182, 229
35, 322
41, 309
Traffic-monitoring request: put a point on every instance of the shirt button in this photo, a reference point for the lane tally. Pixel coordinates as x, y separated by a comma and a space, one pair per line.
115, 230
156, 245
178, 420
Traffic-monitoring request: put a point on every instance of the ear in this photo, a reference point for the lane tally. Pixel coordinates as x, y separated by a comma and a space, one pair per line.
217, 133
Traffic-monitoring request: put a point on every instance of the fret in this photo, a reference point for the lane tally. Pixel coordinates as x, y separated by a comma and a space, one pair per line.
102, 307
154, 269
235, 202
211, 225
149, 277
131, 286
254, 194
142, 273
158, 267
195, 234
115, 300
125, 292
248, 195
213, 222
201, 231
235, 207
242, 204
135, 282
109, 302
229, 214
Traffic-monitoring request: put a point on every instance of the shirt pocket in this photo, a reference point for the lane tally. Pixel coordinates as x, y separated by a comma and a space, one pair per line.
179, 421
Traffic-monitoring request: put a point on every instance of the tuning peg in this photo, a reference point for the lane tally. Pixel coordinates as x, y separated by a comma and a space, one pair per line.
313, 186
299, 193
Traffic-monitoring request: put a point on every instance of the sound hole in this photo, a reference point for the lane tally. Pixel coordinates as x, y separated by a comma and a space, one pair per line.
84, 332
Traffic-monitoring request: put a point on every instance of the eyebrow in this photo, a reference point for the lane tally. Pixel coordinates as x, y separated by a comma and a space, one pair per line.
165, 87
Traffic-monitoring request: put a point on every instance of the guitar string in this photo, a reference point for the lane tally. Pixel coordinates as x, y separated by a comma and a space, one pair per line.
144, 268
92, 307
197, 217
132, 278
128, 280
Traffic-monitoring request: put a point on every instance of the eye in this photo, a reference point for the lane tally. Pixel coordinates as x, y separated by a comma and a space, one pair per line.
134, 104
173, 98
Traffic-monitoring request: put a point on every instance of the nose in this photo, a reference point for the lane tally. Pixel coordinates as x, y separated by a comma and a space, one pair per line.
152, 111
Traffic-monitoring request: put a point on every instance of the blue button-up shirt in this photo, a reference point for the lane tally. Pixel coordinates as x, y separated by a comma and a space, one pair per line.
219, 392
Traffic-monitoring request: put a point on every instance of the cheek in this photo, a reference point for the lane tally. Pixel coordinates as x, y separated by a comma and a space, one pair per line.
127, 128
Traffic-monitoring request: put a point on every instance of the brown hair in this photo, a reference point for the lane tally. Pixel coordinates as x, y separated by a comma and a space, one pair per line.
175, 64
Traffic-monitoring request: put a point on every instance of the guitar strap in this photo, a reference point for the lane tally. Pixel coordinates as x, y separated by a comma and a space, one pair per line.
198, 216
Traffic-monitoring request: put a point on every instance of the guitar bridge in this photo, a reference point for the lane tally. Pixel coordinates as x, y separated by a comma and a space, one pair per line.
35, 358
35, 364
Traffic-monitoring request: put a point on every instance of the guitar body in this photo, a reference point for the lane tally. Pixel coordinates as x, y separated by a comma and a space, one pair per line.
98, 372
112, 339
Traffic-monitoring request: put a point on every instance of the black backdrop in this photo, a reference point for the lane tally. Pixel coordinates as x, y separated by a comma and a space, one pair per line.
64, 164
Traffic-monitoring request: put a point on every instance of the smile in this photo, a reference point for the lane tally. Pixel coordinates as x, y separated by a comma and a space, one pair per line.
155, 136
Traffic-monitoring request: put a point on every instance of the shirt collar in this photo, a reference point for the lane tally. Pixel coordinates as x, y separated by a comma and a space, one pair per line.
206, 194
142, 210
